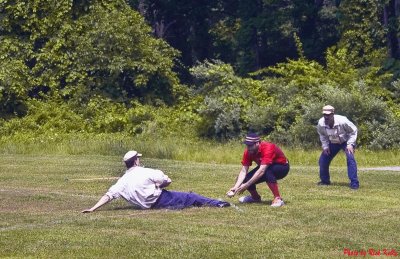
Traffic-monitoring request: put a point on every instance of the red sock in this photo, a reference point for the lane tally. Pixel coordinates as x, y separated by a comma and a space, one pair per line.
274, 189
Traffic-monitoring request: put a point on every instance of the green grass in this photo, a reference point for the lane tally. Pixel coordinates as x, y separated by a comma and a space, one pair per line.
172, 148
41, 197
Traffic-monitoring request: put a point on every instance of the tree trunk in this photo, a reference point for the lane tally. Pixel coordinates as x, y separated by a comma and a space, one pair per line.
142, 8
390, 15
397, 14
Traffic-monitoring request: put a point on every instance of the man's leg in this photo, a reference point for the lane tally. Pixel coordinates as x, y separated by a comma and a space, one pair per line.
273, 173
252, 188
352, 170
180, 200
325, 161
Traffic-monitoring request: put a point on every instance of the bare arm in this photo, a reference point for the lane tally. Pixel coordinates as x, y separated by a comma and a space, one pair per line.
239, 179
253, 179
103, 200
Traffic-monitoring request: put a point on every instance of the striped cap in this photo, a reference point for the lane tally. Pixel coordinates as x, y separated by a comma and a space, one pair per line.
251, 139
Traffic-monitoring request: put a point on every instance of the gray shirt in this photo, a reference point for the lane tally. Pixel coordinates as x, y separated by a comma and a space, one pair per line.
342, 131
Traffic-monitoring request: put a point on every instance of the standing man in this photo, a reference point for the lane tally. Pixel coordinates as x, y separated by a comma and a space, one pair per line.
143, 187
336, 133
272, 165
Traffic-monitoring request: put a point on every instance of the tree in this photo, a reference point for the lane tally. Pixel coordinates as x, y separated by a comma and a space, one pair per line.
183, 24
247, 34
71, 50
362, 32
318, 24
391, 18
264, 34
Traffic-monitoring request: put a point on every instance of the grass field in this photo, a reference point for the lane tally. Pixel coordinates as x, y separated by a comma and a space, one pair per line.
41, 197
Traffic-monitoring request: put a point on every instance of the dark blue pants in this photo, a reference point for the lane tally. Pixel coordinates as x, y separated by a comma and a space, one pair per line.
325, 161
179, 200
274, 172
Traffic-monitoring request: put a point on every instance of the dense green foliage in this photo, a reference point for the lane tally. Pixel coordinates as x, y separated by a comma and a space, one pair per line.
178, 68
247, 34
288, 108
54, 49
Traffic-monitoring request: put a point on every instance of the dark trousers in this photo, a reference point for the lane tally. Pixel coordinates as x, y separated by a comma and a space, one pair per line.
325, 161
273, 173
179, 200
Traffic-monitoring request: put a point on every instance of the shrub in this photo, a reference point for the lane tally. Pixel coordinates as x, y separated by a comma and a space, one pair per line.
383, 136
287, 108
45, 118
227, 100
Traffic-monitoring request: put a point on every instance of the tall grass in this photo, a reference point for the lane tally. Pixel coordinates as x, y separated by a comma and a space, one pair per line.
176, 149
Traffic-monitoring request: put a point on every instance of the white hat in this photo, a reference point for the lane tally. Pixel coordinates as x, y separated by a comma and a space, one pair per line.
328, 109
131, 154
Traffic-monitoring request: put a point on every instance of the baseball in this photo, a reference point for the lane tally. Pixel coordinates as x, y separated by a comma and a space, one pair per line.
230, 194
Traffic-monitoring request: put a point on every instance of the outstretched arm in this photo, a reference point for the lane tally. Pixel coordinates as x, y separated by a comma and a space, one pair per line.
103, 200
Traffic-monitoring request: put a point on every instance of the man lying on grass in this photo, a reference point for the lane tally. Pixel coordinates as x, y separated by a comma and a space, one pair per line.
143, 187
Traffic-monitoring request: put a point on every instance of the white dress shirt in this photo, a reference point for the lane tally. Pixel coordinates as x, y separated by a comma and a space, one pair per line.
139, 186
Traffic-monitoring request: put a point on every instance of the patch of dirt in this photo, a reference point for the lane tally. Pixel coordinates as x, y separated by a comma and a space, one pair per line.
385, 168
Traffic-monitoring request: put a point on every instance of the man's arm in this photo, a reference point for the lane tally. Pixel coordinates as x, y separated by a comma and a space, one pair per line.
239, 179
103, 200
253, 179
167, 181
160, 179
351, 129
323, 137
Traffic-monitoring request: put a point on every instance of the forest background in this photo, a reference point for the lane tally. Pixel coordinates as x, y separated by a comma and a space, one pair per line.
190, 71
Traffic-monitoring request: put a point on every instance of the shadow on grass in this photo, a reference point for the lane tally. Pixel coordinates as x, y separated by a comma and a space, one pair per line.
261, 203
340, 184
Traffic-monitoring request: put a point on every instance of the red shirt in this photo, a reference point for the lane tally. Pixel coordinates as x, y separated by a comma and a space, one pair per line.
268, 153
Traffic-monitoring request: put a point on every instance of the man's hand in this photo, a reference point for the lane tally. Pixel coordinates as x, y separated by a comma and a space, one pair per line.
327, 151
242, 188
103, 200
231, 192
350, 149
87, 211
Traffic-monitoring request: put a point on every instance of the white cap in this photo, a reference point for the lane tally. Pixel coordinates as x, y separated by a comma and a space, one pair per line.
131, 154
328, 109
